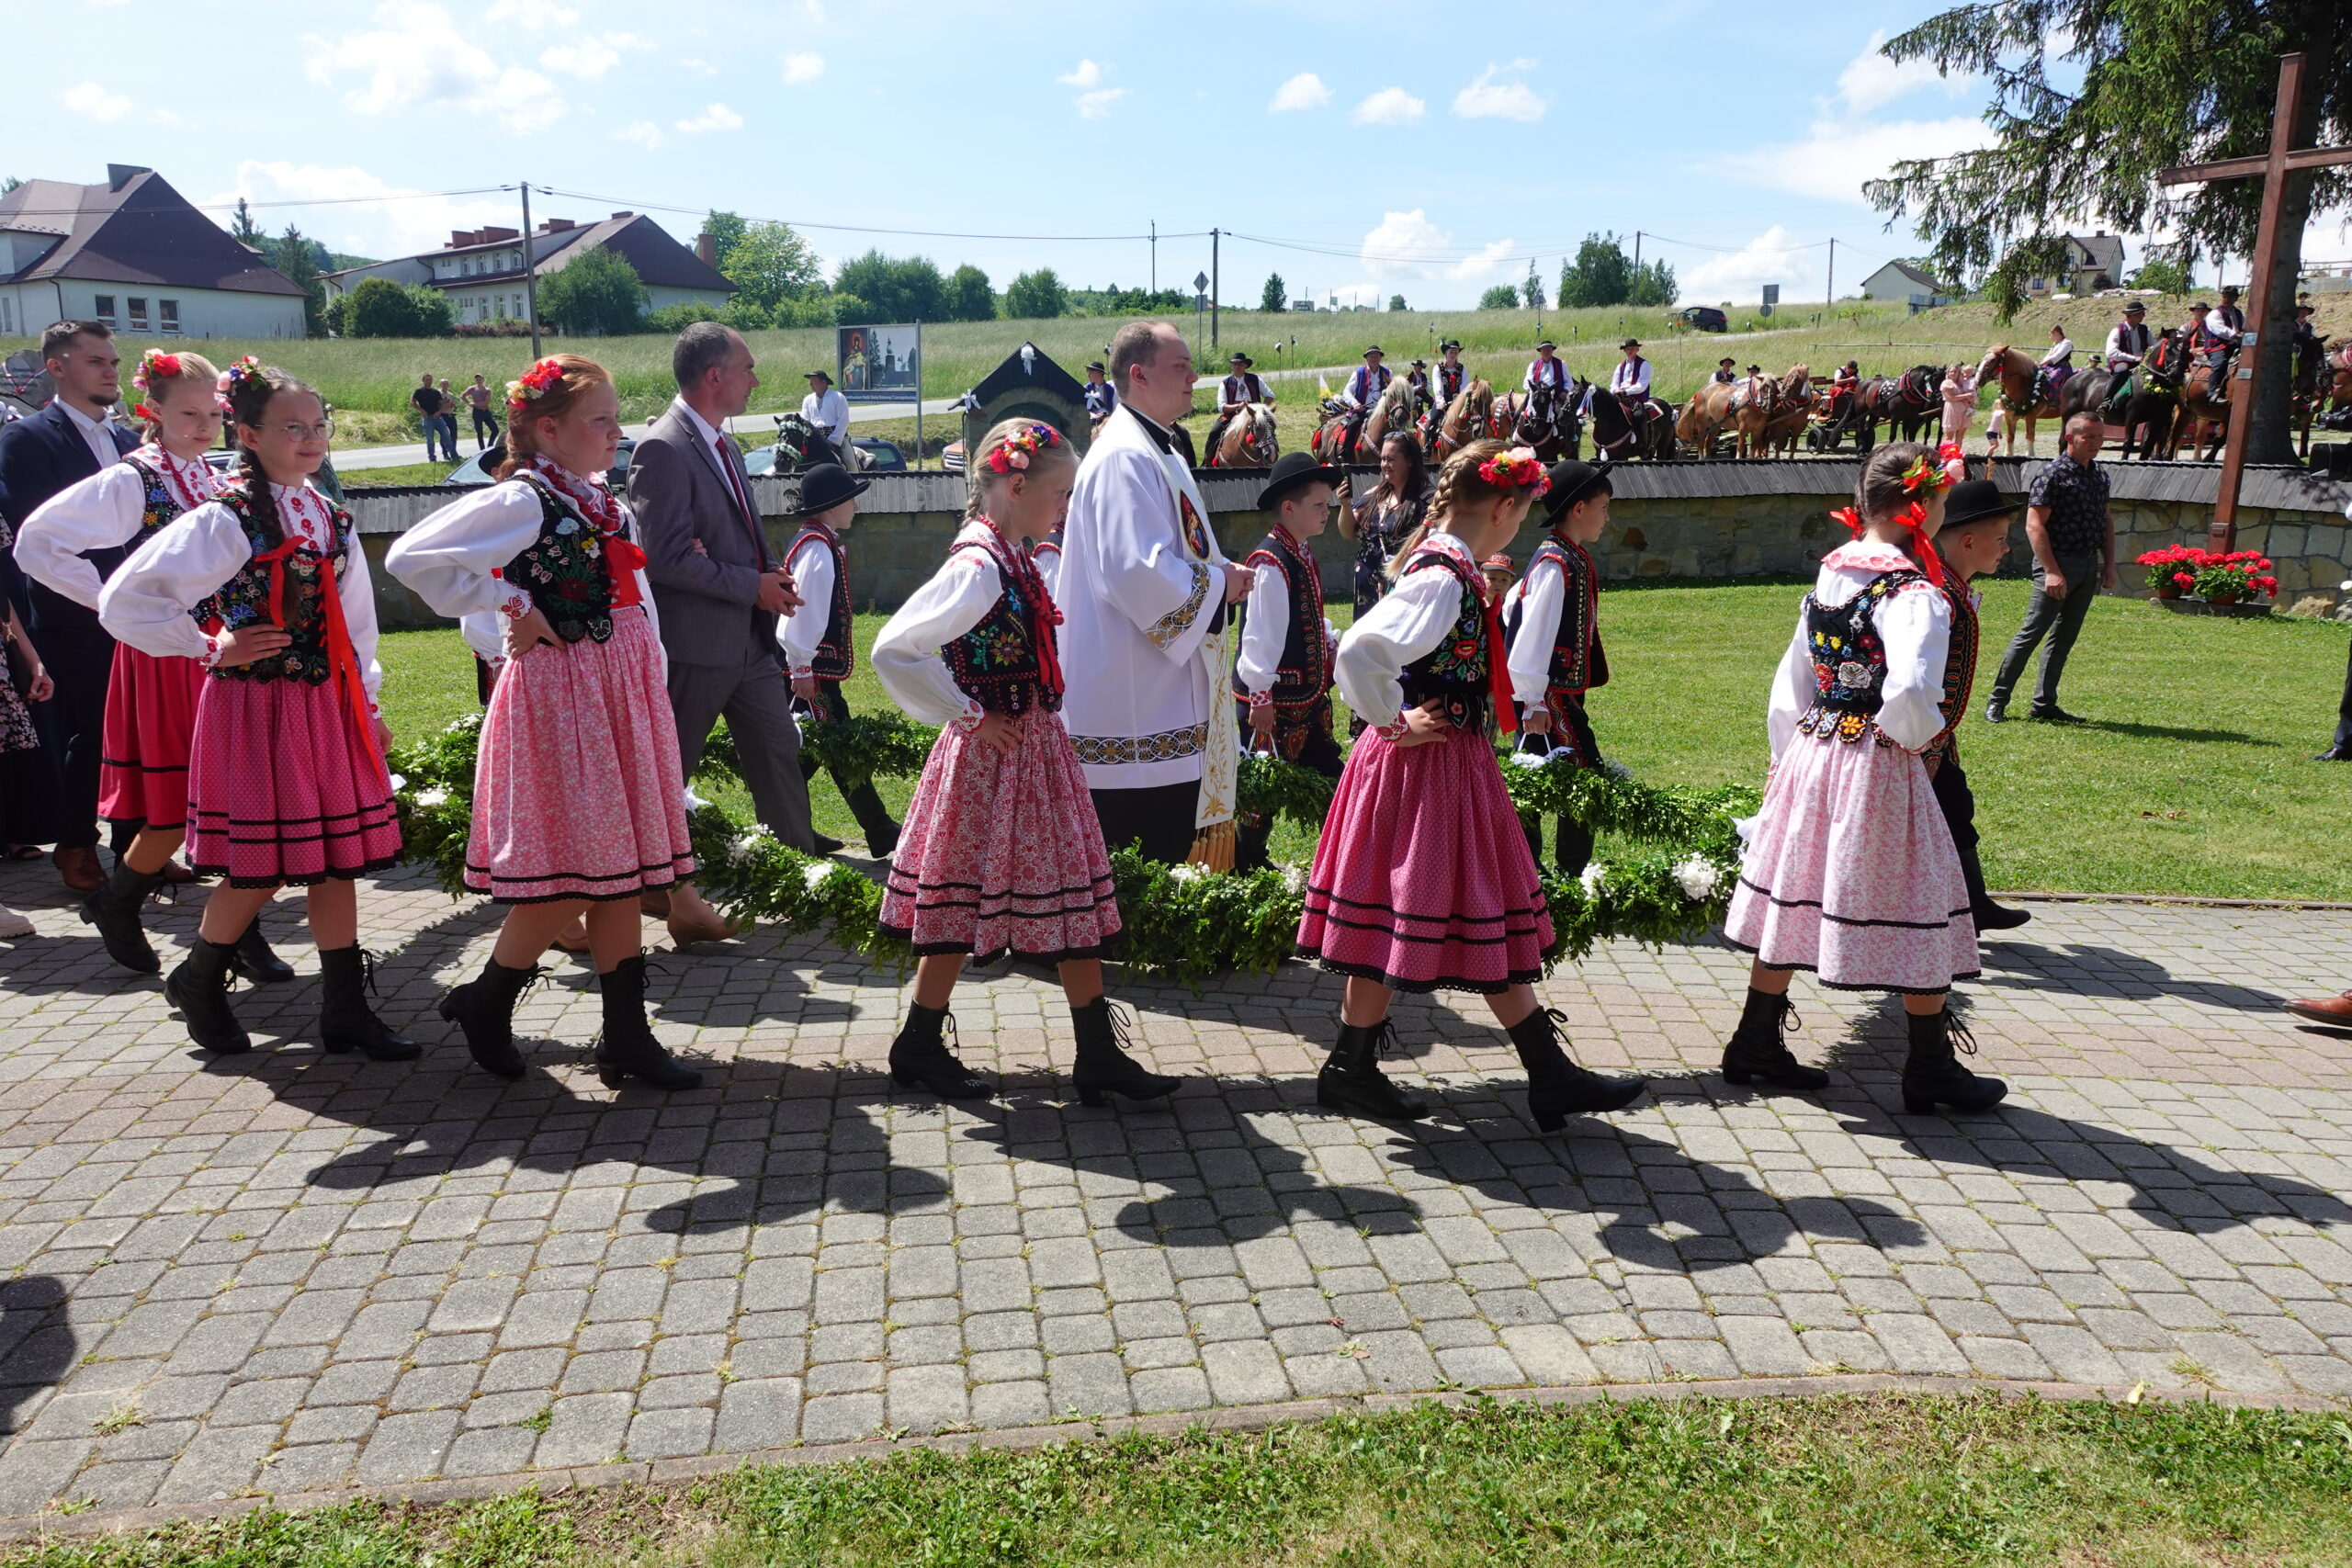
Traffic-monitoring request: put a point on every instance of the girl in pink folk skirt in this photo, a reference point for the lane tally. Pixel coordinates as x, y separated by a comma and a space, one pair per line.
1422, 878
267, 585
67, 546
1851, 872
579, 803
1000, 850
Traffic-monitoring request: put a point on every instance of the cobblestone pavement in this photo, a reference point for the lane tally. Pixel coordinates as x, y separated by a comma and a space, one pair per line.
285, 1271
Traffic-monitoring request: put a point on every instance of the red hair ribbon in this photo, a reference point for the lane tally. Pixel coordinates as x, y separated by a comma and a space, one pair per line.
1499, 670
340, 653
1923, 549
1850, 518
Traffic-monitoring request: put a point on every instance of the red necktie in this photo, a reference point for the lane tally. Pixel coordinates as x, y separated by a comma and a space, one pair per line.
743, 500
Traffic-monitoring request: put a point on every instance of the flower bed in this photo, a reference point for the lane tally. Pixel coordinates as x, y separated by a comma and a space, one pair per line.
1182, 922
2217, 576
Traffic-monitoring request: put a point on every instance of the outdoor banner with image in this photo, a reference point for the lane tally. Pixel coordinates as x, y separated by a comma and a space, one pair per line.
880, 364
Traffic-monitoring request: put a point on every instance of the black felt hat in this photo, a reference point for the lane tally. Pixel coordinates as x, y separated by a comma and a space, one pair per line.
1449, 342
1292, 472
1547, 343
1375, 348
825, 487
1973, 501
814, 375
1241, 358
1096, 366
2133, 308
1631, 343
1573, 480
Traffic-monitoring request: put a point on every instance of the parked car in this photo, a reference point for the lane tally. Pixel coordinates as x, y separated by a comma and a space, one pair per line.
475, 470
884, 457
1703, 317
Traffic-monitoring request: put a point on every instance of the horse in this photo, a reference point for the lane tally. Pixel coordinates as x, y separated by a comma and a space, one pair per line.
1704, 418
796, 441
1249, 441
2022, 396
1858, 412
1623, 428
2310, 385
1547, 423
1347, 436
1913, 405
2204, 411
1766, 415
1466, 418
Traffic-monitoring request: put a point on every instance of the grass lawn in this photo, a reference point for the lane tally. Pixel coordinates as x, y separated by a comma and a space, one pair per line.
2193, 776
1779, 1485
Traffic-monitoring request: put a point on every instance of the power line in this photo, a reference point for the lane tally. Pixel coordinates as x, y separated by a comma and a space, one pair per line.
290, 201
865, 228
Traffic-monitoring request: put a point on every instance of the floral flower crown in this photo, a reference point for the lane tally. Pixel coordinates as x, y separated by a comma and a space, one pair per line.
1516, 469
533, 384
1023, 445
154, 366
1934, 474
240, 372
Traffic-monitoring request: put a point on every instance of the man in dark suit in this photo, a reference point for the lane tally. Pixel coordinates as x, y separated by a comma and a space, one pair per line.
716, 585
67, 442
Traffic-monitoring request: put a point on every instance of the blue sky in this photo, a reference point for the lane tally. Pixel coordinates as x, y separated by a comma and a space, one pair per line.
1389, 154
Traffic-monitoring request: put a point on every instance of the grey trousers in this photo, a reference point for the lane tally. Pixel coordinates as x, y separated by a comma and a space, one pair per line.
2058, 620
756, 701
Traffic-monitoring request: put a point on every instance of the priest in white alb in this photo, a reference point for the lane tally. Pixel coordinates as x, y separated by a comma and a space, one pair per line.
1145, 592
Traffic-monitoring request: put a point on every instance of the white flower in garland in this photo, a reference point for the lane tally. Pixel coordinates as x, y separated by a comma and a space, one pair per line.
1529, 758
745, 846
693, 801
1295, 879
400, 782
814, 875
1698, 876
1187, 873
1590, 879
431, 798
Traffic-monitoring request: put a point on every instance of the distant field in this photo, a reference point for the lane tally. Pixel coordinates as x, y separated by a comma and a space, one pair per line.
376, 373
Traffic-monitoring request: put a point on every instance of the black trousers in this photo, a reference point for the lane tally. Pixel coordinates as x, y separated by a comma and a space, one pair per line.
1157, 822
80, 663
873, 818
485, 429
1959, 803
1318, 750
2058, 620
1571, 841
2344, 713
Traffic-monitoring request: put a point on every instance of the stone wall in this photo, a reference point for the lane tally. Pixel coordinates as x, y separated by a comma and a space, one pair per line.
1696, 520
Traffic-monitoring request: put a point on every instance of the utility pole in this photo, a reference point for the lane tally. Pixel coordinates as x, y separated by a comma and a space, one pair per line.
1215, 279
530, 278
1155, 255
1637, 279
1830, 296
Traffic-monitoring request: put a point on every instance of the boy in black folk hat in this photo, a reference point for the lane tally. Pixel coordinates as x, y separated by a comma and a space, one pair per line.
819, 649
1552, 623
1282, 675
1973, 541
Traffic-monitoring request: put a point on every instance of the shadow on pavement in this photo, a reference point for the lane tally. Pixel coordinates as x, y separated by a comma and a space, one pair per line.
35, 1345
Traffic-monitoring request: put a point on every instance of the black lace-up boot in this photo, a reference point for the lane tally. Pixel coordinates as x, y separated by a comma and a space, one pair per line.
199, 988
114, 909
256, 961
922, 1059
1352, 1080
1103, 1067
1758, 1048
346, 1021
626, 1049
484, 1008
1556, 1087
1932, 1075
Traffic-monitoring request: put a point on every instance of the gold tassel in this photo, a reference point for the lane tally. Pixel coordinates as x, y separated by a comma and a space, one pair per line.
1212, 848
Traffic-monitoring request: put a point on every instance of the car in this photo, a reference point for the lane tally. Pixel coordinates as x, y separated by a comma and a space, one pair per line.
884, 457
476, 469
1703, 317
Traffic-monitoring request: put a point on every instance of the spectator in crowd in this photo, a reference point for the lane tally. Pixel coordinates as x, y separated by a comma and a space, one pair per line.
485, 422
1100, 396
829, 411
2072, 536
426, 401
449, 406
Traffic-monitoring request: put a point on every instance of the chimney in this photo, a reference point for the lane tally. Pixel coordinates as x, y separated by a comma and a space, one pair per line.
624, 215
707, 247
555, 226
121, 175
492, 236
460, 238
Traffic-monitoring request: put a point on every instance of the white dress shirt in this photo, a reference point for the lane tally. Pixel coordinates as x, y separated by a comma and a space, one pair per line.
798, 633
1411, 618
96, 433
906, 655
2060, 352
1631, 379
101, 513
1546, 373
1539, 596
829, 411
1265, 627
2128, 341
146, 602
1914, 625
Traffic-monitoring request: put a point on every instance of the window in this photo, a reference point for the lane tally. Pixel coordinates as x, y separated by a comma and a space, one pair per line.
102, 307
501, 308
138, 314
2037, 284
170, 318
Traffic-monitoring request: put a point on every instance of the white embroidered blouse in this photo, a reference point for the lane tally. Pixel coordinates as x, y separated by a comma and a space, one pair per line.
102, 513
1413, 618
1914, 624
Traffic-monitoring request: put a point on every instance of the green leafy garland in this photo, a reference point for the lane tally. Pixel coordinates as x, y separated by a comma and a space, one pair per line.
1182, 922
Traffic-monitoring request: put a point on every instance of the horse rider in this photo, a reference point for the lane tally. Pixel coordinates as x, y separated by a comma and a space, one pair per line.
1236, 393
2058, 363
2210, 344
1724, 375
1366, 382
1100, 396
1451, 373
827, 412
1546, 373
2307, 345
2229, 321
2128, 343
1418, 377
1842, 388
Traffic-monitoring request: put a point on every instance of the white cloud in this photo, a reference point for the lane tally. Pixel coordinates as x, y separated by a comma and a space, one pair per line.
1390, 106
531, 15
700, 67
644, 132
1485, 98
1872, 80
716, 117
590, 57
816, 9
1304, 91
399, 223
94, 102
801, 67
417, 56
1085, 73
1097, 104
1407, 245
1773, 256
1844, 146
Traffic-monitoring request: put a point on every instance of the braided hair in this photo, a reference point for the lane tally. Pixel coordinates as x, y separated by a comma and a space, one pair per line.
250, 388
1038, 451
1459, 484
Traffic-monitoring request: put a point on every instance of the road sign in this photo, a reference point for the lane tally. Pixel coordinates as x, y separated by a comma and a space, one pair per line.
1200, 282
1771, 294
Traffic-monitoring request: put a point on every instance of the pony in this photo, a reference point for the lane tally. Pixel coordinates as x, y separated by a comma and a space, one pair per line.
1249, 441
2022, 398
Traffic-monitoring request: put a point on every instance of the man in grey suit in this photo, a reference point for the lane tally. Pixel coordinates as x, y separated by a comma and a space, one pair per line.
716, 585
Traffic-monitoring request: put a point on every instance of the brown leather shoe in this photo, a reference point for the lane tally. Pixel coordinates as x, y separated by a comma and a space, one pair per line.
654, 901
80, 868
177, 874
2333, 1011
686, 932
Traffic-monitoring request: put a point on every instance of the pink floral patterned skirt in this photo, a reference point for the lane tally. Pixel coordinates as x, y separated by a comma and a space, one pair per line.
1422, 880
1003, 850
1851, 874
578, 793
150, 726
282, 787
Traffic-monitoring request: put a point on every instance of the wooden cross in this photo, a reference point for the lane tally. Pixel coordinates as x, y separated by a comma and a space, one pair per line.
2270, 167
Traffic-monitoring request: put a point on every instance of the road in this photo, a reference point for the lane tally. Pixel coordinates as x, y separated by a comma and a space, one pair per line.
353, 459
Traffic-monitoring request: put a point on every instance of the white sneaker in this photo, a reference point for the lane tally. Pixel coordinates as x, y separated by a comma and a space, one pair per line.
12, 924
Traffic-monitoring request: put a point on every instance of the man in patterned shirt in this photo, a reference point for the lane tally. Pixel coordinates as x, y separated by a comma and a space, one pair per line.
2072, 536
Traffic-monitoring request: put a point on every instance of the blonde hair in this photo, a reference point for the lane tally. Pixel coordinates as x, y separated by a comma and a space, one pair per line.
193, 368
1000, 435
577, 375
1459, 485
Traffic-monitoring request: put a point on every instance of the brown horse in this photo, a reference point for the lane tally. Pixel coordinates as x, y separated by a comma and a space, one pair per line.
1348, 436
1466, 418
2204, 417
1705, 417
1774, 413
1249, 441
2018, 377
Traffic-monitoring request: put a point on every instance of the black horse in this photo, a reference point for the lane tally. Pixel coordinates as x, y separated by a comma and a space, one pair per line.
1913, 404
1549, 423
1629, 427
2143, 400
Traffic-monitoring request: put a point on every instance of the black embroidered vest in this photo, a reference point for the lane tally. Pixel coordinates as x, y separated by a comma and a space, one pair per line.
1579, 662
1455, 671
308, 576
836, 653
1959, 676
1850, 662
157, 506
564, 571
1302, 693
996, 662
